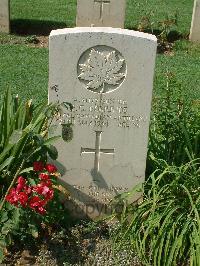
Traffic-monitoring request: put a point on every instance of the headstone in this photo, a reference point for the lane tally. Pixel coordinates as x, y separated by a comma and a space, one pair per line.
195, 27
107, 74
4, 16
101, 13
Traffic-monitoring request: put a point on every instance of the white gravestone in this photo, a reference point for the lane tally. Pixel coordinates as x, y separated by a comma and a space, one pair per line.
101, 13
4, 16
107, 74
195, 27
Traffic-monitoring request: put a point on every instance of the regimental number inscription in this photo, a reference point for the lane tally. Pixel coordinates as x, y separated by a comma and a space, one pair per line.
101, 69
96, 113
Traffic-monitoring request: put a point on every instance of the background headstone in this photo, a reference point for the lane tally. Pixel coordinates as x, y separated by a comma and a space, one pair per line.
195, 27
101, 13
4, 16
107, 74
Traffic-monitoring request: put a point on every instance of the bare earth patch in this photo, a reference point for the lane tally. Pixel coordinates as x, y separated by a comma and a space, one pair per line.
85, 244
31, 41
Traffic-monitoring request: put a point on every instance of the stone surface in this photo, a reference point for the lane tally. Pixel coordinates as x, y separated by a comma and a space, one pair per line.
195, 27
101, 13
4, 16
107, 74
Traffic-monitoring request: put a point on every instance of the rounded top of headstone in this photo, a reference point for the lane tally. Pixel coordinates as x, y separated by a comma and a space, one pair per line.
108, 30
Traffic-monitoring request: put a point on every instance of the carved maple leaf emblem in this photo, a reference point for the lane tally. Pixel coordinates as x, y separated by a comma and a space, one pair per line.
101, 69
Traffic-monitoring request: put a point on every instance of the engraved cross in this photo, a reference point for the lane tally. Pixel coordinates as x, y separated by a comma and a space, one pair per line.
97, 151
102, 2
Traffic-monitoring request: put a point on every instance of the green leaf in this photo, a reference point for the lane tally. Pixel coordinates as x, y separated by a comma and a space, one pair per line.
6, 162
3, 216
7, 113
27, 170
33, 230
8, 239
49, 141
39, 139
15, 137
52, 151
6, 152
32, 181
6, 228
2, 242
16, 215
1, 254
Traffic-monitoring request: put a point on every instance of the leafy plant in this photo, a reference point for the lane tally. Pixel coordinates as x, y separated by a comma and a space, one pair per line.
175, 127
23, 139
166, 26
146, 23
23, 136
32, 39
35, 198
164, 229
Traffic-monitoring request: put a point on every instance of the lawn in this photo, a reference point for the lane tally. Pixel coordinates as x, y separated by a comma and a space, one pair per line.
183, 64
159, 10
25, 68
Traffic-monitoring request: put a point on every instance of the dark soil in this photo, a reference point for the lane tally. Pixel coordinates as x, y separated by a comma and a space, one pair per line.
83, 244
31, 41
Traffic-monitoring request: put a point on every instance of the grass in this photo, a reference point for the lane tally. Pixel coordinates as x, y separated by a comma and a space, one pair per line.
183, 63
158, 10
49, 13
25, 71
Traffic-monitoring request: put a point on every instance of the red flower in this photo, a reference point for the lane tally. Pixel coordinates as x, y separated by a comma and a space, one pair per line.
37, 205
12, 197
44, 176
23, 195
21, 183
43, 189
49, 195
41, 210
34, 202
38, 166
51, 168
27, 190
47, 183
15, 197
23, 198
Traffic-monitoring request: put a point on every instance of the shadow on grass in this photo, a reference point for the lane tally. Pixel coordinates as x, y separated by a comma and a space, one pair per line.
39, 27
35, 27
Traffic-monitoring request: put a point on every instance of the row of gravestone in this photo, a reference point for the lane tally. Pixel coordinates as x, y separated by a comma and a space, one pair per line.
105, 13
